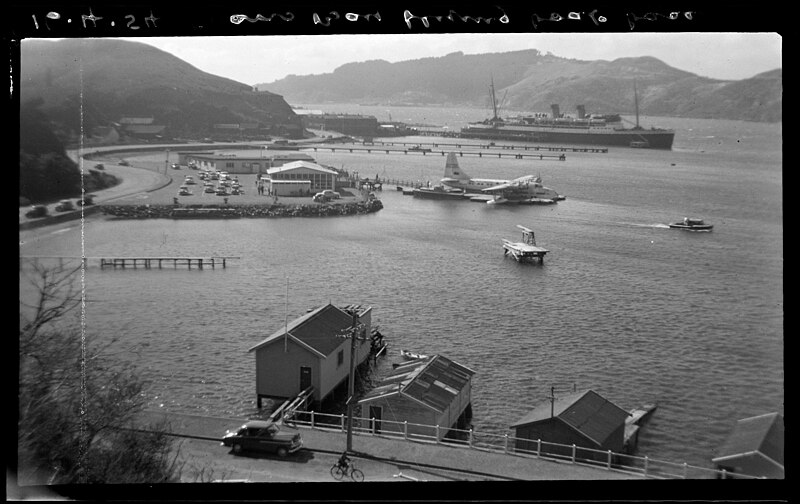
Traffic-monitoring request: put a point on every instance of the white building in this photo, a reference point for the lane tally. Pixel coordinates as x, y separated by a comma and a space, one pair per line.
303, 176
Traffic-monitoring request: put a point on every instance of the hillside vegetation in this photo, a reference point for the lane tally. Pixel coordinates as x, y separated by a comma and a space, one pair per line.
86, 83
531, 81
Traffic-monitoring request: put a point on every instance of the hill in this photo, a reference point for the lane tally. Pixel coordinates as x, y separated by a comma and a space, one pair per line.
103, 80
531, 81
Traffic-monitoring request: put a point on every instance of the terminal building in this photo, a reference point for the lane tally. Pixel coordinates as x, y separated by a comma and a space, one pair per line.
234, 164
300, 178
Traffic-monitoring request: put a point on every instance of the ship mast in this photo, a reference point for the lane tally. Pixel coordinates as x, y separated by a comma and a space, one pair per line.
494, 102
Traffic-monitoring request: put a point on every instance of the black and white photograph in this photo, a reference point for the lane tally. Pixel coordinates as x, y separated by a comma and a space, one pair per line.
436, 257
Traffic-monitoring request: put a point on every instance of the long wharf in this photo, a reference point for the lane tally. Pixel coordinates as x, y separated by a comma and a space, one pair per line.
380, 150
146, 262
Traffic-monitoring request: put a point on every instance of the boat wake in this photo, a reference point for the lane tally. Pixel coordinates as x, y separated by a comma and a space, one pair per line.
635, 224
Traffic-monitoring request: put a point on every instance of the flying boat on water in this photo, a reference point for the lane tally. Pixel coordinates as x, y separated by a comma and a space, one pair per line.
522, 188
692, 224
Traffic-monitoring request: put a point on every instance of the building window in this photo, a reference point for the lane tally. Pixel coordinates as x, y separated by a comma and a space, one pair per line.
340, 358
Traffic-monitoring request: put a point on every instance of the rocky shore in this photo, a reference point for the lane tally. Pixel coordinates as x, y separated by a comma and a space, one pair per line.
238, 211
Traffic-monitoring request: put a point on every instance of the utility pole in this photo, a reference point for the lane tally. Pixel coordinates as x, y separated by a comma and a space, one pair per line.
552, 401
352, 333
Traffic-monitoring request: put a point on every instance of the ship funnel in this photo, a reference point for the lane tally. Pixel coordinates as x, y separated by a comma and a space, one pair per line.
581, 111
554, 108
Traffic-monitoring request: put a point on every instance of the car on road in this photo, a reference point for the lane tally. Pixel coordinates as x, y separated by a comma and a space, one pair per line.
88, 199
184, 191
99, 166
37, 211
189, 180
221, 191
262, 436
123, 162
65, 205
176, 166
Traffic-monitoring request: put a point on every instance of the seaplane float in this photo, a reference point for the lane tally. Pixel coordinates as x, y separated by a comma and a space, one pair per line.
692, 224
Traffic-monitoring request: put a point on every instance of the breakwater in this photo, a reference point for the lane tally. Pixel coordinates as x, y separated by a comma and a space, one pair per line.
238, 211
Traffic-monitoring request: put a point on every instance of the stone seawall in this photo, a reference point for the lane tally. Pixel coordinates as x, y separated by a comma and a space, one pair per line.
237, 211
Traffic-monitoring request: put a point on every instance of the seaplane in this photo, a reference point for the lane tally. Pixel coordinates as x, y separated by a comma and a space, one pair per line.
523, 189
526, 250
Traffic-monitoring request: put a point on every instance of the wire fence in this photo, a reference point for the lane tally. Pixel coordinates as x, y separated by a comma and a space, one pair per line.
645, 466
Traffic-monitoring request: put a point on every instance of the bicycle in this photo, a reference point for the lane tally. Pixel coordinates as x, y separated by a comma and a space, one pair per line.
338, 472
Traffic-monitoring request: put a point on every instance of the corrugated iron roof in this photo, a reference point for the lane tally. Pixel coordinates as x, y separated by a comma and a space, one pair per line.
763, 434
587, 412
434, 381
318, 329
295, 165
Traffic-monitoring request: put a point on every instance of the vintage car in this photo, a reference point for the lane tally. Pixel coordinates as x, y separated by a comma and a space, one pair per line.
262, 436
65, 205
37, 211
184, 191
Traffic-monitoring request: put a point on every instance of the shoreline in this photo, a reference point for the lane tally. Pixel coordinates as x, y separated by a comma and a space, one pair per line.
214, 211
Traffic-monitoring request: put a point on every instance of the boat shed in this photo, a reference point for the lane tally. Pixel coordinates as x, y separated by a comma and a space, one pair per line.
754, 448
584, 419
311, 350
320, 178
425, 393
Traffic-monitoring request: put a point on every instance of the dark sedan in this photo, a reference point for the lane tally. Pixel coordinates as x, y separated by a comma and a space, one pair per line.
262, 436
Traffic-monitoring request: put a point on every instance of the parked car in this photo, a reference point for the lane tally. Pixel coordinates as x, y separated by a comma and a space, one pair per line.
221, 191
37, 211
65, 205
329, 193
88, 199
189, 180
210, 189
262, 436
236, 191
184, 191
176, 166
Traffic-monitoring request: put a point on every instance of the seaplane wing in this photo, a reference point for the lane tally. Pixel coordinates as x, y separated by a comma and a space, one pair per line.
499, 188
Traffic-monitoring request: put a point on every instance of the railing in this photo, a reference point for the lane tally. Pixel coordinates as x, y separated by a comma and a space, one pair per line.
510, 445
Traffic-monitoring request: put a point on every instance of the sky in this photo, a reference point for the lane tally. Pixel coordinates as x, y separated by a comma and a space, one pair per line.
264, 59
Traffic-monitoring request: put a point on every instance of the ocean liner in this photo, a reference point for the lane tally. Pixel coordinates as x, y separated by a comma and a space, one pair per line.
558, 128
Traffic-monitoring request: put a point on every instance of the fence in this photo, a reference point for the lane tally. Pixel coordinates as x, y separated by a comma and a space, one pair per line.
505, 443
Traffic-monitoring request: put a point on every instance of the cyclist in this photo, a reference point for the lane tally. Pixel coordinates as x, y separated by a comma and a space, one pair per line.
344, 461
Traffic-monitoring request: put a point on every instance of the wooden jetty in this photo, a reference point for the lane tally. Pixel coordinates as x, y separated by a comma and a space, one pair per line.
460, 145
161, 262
138, 262
635, 420
377, 150
526, 250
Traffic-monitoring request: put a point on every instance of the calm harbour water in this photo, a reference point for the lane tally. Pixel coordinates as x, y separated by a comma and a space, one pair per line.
623, 305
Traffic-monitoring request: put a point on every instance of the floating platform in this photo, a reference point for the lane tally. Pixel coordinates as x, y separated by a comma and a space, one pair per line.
526, 250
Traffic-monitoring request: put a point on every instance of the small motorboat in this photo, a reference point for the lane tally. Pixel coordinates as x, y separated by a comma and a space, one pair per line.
409, 355
692, 224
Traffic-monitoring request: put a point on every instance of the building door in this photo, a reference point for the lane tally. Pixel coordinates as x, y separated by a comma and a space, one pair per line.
305, 377
375, 412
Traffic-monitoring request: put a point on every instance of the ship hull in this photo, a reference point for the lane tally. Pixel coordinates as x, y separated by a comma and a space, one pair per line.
643, 138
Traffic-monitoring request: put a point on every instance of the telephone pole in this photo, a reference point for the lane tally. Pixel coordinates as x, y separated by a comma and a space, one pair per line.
352, 333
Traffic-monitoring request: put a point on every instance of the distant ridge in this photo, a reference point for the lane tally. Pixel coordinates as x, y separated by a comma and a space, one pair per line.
531, 81
106, 79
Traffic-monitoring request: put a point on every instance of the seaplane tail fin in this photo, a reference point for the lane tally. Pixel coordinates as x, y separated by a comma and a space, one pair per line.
451, 169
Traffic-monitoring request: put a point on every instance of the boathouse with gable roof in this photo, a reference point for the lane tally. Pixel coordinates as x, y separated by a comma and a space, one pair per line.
311, 351
585, 419
425, 393
754, 447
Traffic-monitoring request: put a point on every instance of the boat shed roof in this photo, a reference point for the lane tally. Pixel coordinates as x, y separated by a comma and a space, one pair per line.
294, 165
433, 381
587, 412
317, 330
762, 434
